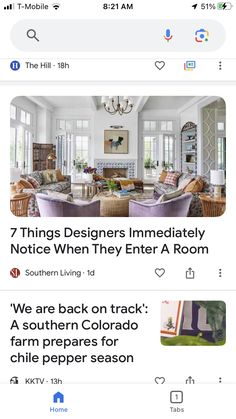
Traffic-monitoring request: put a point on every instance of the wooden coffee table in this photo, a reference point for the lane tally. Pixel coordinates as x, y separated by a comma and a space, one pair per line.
212, 207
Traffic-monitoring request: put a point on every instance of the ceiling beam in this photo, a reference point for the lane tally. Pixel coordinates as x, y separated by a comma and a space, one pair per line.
142, 100
41, 101
93, 102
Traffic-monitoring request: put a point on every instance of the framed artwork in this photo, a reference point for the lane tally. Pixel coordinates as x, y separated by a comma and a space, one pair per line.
116, 141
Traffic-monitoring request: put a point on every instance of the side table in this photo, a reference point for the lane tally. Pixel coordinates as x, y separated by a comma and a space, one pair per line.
19, 204
89, 189
212, 207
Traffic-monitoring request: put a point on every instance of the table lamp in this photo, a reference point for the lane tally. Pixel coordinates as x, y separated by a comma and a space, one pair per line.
14, 177
217, 179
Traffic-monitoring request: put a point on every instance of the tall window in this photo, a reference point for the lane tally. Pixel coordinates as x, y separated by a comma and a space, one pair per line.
151, 156
21, 139
169, 150
158, 147
73, 145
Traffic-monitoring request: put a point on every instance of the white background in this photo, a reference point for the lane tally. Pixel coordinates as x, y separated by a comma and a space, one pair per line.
133, 277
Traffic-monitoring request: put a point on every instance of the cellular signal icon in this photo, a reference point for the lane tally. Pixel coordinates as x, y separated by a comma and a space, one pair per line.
9, 6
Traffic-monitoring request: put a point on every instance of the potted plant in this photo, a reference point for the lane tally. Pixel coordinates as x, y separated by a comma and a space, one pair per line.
88, 173
168, 166
149, 163
112, 185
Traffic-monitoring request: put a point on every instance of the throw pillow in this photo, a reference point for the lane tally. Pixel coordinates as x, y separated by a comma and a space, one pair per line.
33, 182
69, 197
171, 195
172, 178
49, 176
163, 176
195, 186
23, 184
184, 182
38, 175
127, 185
59, 175
60, 196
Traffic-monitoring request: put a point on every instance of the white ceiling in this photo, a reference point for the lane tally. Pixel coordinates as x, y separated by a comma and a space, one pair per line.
69, 101
87, 102
166, 102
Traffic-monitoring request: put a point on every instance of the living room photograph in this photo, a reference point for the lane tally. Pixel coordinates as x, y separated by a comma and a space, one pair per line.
118, 156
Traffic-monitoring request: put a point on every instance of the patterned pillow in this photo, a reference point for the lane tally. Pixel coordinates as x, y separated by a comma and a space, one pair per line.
128, 187
172, 178
49, 176
38, 176
33, 182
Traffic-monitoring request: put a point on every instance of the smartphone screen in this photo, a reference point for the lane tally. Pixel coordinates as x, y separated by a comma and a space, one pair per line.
117, 292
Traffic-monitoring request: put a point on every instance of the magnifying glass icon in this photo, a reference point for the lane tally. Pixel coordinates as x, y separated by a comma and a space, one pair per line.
32, 34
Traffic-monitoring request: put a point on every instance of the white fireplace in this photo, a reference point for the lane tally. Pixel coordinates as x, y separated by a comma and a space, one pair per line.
127, 167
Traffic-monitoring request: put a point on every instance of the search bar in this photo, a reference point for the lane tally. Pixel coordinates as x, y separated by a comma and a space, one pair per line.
118, 36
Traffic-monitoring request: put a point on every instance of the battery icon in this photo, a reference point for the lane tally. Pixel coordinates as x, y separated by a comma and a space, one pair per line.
224, 5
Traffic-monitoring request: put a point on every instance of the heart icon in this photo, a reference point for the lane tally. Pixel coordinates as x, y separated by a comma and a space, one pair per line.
159, 272
160, 64
160, 380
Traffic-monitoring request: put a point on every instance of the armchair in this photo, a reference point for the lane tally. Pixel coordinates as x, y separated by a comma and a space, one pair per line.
176, 207
52, 207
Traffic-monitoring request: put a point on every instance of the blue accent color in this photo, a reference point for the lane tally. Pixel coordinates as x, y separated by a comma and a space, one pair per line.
15, 65
167, 33
58, 398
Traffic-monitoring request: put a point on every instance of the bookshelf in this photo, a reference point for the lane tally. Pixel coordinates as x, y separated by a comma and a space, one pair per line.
189, 148
40, 153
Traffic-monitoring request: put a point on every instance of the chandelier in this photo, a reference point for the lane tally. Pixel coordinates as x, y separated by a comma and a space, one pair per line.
116, 104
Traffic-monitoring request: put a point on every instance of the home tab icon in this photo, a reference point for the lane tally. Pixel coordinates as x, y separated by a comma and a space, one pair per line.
58, 398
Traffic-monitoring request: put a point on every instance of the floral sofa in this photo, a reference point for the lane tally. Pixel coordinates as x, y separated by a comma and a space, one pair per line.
195, 209
63, 186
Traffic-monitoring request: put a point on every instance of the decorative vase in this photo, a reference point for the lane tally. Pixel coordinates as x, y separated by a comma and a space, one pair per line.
88, 177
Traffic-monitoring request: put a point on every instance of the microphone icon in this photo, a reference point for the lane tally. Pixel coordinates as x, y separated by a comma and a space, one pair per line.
168, 35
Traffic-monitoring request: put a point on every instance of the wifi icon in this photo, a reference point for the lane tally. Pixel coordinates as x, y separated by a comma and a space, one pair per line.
56, 6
